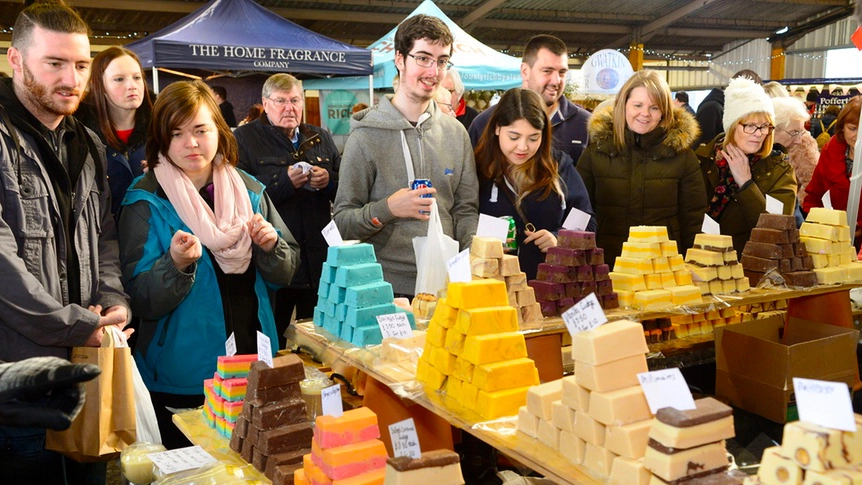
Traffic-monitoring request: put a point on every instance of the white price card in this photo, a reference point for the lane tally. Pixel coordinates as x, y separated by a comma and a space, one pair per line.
264, 348
825, 403
827, 200
230, 345
181, 459
459, 267
331, 234
773, 205
710, 226
405, 441
395, 325
330, 399
577, 220
666, 388
490, 226
587, 314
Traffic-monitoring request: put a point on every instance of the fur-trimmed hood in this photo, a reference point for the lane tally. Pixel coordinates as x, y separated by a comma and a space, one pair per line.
681, 135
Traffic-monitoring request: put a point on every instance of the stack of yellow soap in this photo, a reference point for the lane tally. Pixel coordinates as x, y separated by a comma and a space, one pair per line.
826, 236
598, 417
488, 261
812, 454
689, 325
650, 273
474, 352
714, 266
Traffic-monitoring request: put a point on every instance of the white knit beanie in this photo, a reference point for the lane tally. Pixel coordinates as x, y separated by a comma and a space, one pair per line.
742, 97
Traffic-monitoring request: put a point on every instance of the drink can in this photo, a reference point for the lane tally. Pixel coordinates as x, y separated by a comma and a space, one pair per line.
511, 240
421, 184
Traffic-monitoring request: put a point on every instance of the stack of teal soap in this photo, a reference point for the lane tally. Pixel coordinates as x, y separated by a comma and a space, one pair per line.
352, 294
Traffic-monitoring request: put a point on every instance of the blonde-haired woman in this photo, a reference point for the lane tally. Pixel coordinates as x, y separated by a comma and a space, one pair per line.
638, 167
741, 166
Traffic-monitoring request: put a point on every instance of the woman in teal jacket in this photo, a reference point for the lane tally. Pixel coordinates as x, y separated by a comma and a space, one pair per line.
201, 247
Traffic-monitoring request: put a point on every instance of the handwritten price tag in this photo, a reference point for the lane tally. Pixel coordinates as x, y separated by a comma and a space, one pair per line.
181, 459
331, 234
459, 267
587, 314
666, 388
395, 325
824, 403
264, 348
230, 345
405, 441
330, 398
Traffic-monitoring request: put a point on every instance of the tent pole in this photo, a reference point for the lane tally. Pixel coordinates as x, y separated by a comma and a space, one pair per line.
156, 80
371, 90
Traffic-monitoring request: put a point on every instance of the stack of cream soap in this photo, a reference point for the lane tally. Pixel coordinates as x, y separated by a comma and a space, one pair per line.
598, 417
827, 238
810, 454
714, 265
474, 352
691, 324
650, 273
488, 261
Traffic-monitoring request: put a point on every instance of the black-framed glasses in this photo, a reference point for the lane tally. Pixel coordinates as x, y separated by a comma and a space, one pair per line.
427, 61
794, 133
751, 128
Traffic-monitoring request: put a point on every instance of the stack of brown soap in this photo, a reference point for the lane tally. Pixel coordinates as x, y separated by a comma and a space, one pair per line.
488, 261
689, 445
571, 271
775, 245
273, 428
714, 266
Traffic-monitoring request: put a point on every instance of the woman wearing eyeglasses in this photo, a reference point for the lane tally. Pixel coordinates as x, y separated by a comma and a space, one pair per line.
741, 167
836, 163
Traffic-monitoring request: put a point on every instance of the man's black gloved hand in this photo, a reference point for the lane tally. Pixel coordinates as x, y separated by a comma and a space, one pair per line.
43, 392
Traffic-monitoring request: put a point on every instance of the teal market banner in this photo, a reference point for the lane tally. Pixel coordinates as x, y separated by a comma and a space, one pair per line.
336, 109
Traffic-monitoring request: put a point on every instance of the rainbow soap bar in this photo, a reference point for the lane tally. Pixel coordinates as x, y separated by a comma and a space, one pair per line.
233, 389
353, 426
349, 460
232, 410
209, 417
235, 366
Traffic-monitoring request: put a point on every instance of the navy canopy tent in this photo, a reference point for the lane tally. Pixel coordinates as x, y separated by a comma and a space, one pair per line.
240, 35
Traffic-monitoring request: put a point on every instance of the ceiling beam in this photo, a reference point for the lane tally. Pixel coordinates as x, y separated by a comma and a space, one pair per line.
748, 34
648, 30
553, 26
478, 14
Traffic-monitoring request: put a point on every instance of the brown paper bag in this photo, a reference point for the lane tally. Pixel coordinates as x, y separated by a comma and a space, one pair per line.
106, 424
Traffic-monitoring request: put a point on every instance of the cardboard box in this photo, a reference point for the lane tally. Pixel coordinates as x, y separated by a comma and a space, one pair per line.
755, 370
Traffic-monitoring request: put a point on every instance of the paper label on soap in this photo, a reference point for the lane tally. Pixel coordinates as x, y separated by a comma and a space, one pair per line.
710, 226
666, 388
264, 348
331, 234
827, 200
330, 399
459, 267
773, 205
490, 226
395, 325
230, 345
405, 441
577, 220
587, 314
181, 459
825, 403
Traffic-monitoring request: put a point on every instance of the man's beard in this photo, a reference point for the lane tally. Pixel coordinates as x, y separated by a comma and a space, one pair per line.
37, 94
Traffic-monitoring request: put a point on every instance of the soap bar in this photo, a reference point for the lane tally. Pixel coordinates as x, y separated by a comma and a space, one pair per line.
259, 397
769, 236
491, 319
776, 221
233, 389
454, 342
761, 265
823, 215
628, 440
574, 395
842, 476
641, 250
704, 257
598, 460
710, 421
528, 423
358, 274
486, 247
509, 265
626, 471
652, 299
352, 254
627, 282
484, 267
376, 293
436, 467
612, 375
367, 316
648, 234
235, 366
468, 395
618, 407
713, 242
777, 467
576, 239
675, 464
493, 405
484, 349
609, 342
349, 460
588, 429
562, 416
506, 375
547, 291
595, 256
279, 414
232, 410
685, 295
286, 369
283, 474
526, 297
548, 434
286, 438
702, 273
676, 262
355, 425
477, 294
804, 279
633, 266
464, 369
516, 282
814, 447
572, 447
565, 256
821, 231
762, 250
831, 275
540, 397
299, 478
327, 274
284, 459
442, 360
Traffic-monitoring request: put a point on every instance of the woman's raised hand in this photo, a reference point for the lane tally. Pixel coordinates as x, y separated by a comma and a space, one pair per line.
262, 233
185, 249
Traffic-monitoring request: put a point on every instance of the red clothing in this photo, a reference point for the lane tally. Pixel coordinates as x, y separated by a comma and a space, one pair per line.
830, 174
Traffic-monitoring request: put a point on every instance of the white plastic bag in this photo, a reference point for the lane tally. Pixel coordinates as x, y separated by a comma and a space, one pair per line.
145, 414
432, 252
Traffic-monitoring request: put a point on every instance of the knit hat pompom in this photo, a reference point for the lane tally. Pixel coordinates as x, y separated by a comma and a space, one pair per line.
742, 97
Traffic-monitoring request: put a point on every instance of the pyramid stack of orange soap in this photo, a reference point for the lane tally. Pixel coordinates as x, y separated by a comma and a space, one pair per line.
571, 271
599, 416
775, 245
714, 266
650, 274
488, 261
273, 428
474, 352
345, 450
826, 237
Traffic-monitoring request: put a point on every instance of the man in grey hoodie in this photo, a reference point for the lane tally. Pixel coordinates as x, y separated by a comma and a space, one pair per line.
406, 137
